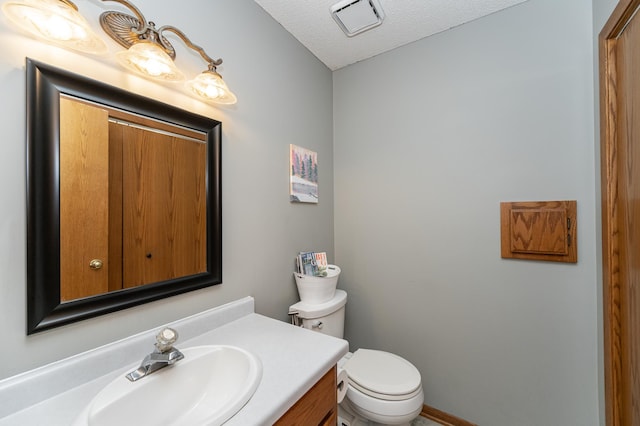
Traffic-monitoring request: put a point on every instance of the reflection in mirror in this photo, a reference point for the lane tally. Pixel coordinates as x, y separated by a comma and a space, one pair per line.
138, 189
124, 199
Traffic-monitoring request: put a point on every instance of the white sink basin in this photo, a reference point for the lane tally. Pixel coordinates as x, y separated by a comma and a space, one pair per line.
207, 387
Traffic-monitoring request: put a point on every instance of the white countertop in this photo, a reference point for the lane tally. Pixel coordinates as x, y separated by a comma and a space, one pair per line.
293, 360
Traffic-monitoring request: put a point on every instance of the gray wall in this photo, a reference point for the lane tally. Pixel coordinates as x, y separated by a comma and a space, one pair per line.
285, 96
428, 139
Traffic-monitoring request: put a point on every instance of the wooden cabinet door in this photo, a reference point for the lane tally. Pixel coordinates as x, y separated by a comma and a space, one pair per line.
319, 406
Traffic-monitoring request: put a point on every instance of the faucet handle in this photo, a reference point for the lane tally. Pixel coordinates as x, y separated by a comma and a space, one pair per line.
165, 339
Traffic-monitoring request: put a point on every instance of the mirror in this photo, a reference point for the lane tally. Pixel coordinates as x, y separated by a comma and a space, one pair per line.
136, 217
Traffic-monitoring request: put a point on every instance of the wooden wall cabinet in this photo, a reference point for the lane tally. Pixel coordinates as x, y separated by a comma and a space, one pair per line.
539, 230
319, 406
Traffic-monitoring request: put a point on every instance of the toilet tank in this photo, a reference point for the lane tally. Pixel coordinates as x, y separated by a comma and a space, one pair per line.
326, 318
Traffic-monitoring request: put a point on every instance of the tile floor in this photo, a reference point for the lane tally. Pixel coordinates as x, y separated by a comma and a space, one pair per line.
423, 421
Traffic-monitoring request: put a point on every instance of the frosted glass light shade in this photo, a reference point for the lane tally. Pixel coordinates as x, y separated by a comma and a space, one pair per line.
149, 60
56, 22
209, 86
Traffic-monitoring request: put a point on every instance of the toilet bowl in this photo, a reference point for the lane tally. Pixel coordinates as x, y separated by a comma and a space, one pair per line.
382, 387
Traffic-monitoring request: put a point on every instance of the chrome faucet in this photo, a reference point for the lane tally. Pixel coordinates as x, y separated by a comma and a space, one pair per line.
164, 354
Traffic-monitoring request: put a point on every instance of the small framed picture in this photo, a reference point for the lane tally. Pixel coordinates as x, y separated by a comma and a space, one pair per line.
303, 183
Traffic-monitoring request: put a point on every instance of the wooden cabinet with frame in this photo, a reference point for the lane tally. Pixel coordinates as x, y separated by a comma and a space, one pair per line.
319, 406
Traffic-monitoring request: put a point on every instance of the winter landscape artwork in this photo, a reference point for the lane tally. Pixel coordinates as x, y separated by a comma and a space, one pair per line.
303, 185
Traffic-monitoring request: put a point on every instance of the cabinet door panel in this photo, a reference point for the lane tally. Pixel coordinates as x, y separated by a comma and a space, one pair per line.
319, 406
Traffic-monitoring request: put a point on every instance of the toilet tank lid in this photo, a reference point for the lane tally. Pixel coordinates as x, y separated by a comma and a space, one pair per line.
317, 310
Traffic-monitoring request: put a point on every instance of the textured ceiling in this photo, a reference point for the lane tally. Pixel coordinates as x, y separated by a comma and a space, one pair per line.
405, 21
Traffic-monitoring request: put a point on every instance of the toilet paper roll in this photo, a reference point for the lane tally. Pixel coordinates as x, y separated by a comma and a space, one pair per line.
343, 381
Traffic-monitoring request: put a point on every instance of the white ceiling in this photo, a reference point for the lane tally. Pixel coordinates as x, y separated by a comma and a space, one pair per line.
405, 21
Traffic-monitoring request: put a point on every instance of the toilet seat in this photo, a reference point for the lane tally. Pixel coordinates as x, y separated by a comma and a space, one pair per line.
383, 375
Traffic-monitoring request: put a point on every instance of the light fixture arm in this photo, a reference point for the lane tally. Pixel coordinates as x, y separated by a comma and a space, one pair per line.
191, 45
143, 22
147, 30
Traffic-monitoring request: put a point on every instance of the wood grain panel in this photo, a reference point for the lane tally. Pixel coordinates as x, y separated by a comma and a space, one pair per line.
115, 206
164, 204
84, 199
539, 230
619, 97
628, 130
318, 406
189, 224
610, 245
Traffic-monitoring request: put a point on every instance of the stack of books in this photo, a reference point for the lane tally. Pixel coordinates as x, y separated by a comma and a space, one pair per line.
312, 263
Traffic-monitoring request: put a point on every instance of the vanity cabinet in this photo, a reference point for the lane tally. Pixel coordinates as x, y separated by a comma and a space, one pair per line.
319, 406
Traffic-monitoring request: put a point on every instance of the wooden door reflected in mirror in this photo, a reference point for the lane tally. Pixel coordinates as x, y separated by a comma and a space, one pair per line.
84, 199
137, 191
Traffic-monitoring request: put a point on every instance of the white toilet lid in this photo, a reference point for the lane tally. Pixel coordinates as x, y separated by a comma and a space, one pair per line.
381, 374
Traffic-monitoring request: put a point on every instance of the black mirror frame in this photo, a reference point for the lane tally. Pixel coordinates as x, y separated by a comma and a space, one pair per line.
45, 84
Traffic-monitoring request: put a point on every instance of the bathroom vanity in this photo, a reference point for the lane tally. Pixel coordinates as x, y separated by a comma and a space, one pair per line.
298, 371
319, 406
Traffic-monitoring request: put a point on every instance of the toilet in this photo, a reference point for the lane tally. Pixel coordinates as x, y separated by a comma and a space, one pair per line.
382, 388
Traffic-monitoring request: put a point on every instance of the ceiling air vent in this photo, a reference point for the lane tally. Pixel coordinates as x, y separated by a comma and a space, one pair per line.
356, 16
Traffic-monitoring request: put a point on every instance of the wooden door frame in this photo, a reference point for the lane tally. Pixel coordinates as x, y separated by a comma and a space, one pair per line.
613, 291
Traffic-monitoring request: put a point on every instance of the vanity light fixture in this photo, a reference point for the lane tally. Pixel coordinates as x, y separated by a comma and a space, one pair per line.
151, 55
56, 21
